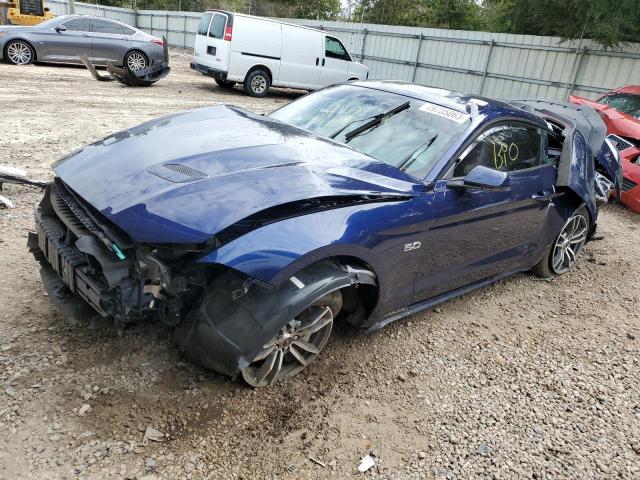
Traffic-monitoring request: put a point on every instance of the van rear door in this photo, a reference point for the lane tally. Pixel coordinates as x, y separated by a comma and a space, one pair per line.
212, 45
301, 55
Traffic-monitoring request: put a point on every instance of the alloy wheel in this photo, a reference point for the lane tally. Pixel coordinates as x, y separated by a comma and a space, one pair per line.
258, 84
296, 346
136, 61
19, 53
569, 244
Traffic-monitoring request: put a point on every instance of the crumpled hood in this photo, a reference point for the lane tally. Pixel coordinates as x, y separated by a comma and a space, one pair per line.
621, 124
184, 177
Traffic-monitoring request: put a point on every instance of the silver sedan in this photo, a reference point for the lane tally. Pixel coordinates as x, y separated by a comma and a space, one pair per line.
64, 39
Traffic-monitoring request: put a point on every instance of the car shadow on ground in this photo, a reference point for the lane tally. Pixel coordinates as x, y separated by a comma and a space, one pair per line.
286, 95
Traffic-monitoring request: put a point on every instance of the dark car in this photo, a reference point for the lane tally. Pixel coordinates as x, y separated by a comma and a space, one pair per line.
363, 202
64, 39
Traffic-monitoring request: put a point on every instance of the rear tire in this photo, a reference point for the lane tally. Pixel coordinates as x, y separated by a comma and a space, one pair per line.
257, 83
19, 52
225, 84
563, 253
135, 61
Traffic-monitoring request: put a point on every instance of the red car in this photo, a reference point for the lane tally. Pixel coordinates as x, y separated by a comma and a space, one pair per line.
620, 110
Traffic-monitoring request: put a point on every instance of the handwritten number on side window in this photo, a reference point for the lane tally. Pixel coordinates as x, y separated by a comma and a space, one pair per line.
504, 154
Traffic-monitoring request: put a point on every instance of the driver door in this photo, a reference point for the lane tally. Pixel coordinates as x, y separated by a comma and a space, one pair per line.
67, 45
479, 233
334, 63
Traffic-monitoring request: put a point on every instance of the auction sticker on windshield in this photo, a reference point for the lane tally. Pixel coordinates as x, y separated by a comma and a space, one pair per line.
444, 112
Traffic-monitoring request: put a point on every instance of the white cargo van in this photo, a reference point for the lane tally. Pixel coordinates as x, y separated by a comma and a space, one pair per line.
260, 52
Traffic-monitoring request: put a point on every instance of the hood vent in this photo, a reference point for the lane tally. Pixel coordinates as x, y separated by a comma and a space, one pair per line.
177, 173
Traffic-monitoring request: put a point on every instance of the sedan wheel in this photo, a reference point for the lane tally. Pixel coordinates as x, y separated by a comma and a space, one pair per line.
19, 53
136, 61
569, 243
296, 346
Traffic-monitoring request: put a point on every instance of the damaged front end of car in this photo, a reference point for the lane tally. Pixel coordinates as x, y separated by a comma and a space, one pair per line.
87, 261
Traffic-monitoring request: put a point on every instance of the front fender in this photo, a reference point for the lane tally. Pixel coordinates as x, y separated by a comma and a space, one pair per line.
274, 252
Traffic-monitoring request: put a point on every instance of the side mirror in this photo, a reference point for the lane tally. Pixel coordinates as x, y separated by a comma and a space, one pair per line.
61, 28
482, 178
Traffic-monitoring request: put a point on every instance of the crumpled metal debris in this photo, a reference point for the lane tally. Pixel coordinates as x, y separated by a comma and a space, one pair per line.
602, 188
140, 78
17, 176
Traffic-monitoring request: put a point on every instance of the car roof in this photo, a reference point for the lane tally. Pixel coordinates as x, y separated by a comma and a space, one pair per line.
632, 89
265, 19
466, 103
94, 17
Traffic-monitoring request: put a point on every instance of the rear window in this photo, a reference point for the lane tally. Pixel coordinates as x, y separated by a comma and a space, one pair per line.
217, 26
203, 28
103, 26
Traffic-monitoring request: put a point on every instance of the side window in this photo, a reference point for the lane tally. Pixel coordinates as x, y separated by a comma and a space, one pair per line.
203, 28
334, 49
78, 25
217, 26
127, 30
104, 26
506, 148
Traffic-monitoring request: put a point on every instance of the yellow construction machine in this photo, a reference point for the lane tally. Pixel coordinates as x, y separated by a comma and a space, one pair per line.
24, 12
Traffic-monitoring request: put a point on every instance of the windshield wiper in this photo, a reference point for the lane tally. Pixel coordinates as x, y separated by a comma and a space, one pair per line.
409, 159
375, 120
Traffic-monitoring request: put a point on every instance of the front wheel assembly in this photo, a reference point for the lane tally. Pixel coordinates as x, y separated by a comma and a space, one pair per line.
296, 345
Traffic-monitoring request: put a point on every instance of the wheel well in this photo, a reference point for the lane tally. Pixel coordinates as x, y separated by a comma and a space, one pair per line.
359, 299
260, 67
35, 54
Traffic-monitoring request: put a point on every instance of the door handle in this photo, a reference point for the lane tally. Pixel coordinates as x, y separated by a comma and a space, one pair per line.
317, 60
323, 62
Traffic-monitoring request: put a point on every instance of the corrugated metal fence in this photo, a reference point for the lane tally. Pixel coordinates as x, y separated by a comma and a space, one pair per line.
491, 64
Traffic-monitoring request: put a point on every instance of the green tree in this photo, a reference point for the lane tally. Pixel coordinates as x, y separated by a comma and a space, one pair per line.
452, 14
608, 22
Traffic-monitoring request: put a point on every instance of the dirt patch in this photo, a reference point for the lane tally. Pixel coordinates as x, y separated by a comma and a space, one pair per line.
523, 379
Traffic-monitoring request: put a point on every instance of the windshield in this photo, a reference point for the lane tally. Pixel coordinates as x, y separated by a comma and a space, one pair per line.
625, 102
412, 139
49, 23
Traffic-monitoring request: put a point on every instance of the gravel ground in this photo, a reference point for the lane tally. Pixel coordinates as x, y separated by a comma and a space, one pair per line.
523, 379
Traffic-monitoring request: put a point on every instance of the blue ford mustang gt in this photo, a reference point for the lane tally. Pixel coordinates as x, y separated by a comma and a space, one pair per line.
362, 202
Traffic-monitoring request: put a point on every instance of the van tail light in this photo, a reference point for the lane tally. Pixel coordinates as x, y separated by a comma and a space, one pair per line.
158, 41
228, 31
